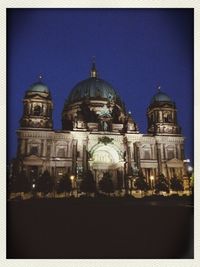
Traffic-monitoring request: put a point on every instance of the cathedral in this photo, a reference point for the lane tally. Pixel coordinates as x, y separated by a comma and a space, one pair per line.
98, 134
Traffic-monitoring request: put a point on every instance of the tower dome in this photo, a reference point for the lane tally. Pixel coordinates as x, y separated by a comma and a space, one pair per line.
160, 97
39, 87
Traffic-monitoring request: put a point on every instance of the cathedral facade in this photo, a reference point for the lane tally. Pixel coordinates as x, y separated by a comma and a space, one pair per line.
98, 134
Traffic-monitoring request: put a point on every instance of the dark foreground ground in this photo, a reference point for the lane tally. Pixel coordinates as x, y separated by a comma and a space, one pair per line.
80, 228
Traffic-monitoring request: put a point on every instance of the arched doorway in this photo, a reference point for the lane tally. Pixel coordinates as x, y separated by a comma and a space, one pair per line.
106, 158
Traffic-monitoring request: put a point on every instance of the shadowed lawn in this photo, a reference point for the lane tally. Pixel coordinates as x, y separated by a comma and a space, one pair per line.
80, 228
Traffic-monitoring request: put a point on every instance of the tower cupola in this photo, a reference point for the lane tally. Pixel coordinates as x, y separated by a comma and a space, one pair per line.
38, 107
161, 114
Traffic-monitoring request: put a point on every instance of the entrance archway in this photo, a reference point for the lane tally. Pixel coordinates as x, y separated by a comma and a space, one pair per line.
106, 158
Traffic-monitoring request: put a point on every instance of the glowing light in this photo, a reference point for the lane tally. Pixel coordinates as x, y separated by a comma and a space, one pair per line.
190, 169
152, 177
40, 77
72, 177
33, 185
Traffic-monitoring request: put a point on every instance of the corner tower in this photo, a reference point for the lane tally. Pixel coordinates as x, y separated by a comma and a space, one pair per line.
38, 107
162, 115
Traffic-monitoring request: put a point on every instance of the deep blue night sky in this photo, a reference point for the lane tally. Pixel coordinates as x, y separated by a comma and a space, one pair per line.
136, 50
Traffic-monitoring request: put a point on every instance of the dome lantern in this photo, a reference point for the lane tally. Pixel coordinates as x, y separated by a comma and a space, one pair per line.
93, 72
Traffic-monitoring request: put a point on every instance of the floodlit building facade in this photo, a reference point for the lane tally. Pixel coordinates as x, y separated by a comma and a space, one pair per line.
98, 134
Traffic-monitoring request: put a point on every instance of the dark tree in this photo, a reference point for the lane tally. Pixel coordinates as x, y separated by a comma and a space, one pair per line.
45, 183
20, 183
162, 184
141, 183
106, 184
65, 184
88, 184
119, 182
176, 184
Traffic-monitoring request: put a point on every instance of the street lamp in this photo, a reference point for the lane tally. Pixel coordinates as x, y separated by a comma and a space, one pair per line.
152, 181
72, 177
33, 190
190, 169
191, 181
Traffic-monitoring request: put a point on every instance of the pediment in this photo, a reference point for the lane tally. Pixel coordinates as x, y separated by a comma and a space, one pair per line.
175, 163
174, 160
34, 158
37, 97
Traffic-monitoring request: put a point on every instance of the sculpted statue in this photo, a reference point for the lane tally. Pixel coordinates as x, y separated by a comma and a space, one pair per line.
105, 126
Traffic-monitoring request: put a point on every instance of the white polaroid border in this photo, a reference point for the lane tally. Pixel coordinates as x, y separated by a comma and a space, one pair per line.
97, 4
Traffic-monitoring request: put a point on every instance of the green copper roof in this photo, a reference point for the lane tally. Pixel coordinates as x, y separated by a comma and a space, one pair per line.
92, 88
160, 97
38, 87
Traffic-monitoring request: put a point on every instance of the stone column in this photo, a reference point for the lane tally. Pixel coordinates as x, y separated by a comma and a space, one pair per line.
44, 147
133, 152
158, 146
25, 147
54, 149
85, 156
164, 151
160, 116
137, 154
22, 148
175, 151
129, 157
126, 163
178, 151
152, 152
74, 156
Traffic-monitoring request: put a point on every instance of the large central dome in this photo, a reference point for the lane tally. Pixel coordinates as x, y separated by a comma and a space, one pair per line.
94, 103
93, 88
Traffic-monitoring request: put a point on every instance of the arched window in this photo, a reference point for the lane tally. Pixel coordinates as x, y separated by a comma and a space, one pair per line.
146, 154
152, 118
61, 153
37, 110
48, 150
167, 117
170, 154
34, 150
